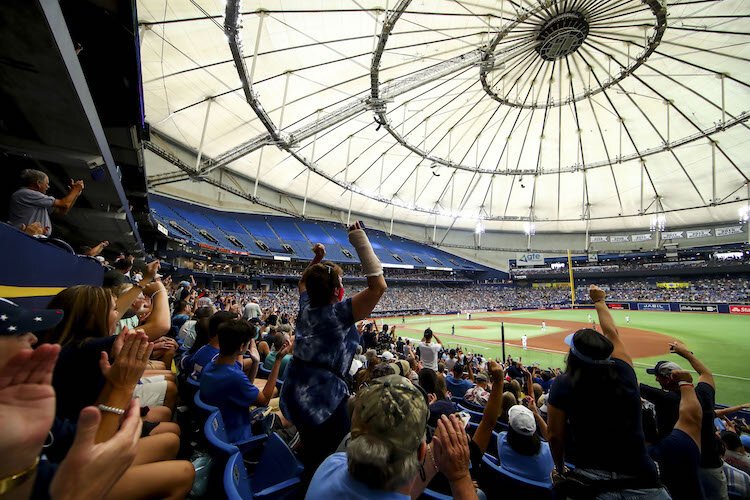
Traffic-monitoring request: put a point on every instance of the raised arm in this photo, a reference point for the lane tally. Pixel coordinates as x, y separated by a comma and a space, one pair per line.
608, 324
691, 414
720, 412
365, 301
158, 322
125, 300
265, 396
704, 374
250, 365
320, 252
540, 423
63, 205
492, 409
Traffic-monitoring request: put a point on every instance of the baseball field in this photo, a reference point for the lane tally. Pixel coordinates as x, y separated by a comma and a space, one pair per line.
721, 341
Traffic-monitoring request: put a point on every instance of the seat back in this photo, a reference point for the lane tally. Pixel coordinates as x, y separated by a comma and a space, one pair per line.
277, 468
203, 410
471, 406
476, 417
498, 481
433, 495
492, 446
263, 372
236, 481
216, 435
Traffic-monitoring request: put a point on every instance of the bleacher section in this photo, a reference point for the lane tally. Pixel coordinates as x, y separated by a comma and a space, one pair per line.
268, 236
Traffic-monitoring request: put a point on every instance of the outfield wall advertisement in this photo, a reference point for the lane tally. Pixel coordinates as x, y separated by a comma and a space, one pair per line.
654, 306
739, 309
709, 308
618, 305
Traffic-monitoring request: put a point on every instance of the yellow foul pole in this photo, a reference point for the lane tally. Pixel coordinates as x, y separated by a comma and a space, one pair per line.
572, 286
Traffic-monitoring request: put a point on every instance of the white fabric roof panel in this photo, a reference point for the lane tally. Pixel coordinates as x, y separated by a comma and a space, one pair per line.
555, 143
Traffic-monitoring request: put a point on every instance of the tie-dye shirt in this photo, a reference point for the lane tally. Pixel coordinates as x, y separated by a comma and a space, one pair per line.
324, 337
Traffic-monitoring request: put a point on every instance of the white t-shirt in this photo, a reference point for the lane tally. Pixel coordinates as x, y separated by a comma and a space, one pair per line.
428, 353
252, 310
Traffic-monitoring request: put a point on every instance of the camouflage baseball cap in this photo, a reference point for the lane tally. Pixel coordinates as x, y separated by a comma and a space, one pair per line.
392, 411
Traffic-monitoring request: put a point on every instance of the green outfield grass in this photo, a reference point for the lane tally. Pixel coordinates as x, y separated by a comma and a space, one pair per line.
721, 341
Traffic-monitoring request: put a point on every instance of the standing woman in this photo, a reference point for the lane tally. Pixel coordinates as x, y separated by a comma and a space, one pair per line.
315, 392
595, 408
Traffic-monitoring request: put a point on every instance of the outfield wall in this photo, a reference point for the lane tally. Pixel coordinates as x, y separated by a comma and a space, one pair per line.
705, 307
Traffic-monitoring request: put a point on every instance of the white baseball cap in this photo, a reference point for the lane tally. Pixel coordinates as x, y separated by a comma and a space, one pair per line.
387, 355
522, 420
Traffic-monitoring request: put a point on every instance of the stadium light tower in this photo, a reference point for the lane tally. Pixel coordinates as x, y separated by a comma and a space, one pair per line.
659, 218
658, 222
478, 231
529, 228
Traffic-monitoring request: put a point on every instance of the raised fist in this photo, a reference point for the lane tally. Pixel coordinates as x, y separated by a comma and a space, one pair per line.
596, 293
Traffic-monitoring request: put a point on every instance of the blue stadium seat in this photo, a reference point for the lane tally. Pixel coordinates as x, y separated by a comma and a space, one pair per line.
476, 416
190, 388
471, 406
263, 372
217, 437
434, 495
274, 231
497, 482
277, 475
492, 446
203, 410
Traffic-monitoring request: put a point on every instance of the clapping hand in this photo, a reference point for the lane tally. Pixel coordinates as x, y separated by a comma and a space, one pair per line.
34, 229
130, 363
27, 406
451, 448
90, 469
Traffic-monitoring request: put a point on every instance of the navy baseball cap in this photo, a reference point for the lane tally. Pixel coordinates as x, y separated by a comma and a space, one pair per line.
16, 320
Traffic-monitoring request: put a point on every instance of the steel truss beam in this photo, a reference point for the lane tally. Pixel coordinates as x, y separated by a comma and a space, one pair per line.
380, 94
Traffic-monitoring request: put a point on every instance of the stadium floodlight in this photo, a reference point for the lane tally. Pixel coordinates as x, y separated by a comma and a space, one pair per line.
529, 228
658, 222
479, 228
744, 213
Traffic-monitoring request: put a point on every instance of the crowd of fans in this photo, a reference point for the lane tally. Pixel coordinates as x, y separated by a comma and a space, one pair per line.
636, 264
440, 299
89, 388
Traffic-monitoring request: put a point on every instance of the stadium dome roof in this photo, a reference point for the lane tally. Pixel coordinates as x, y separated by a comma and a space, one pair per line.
451, 111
